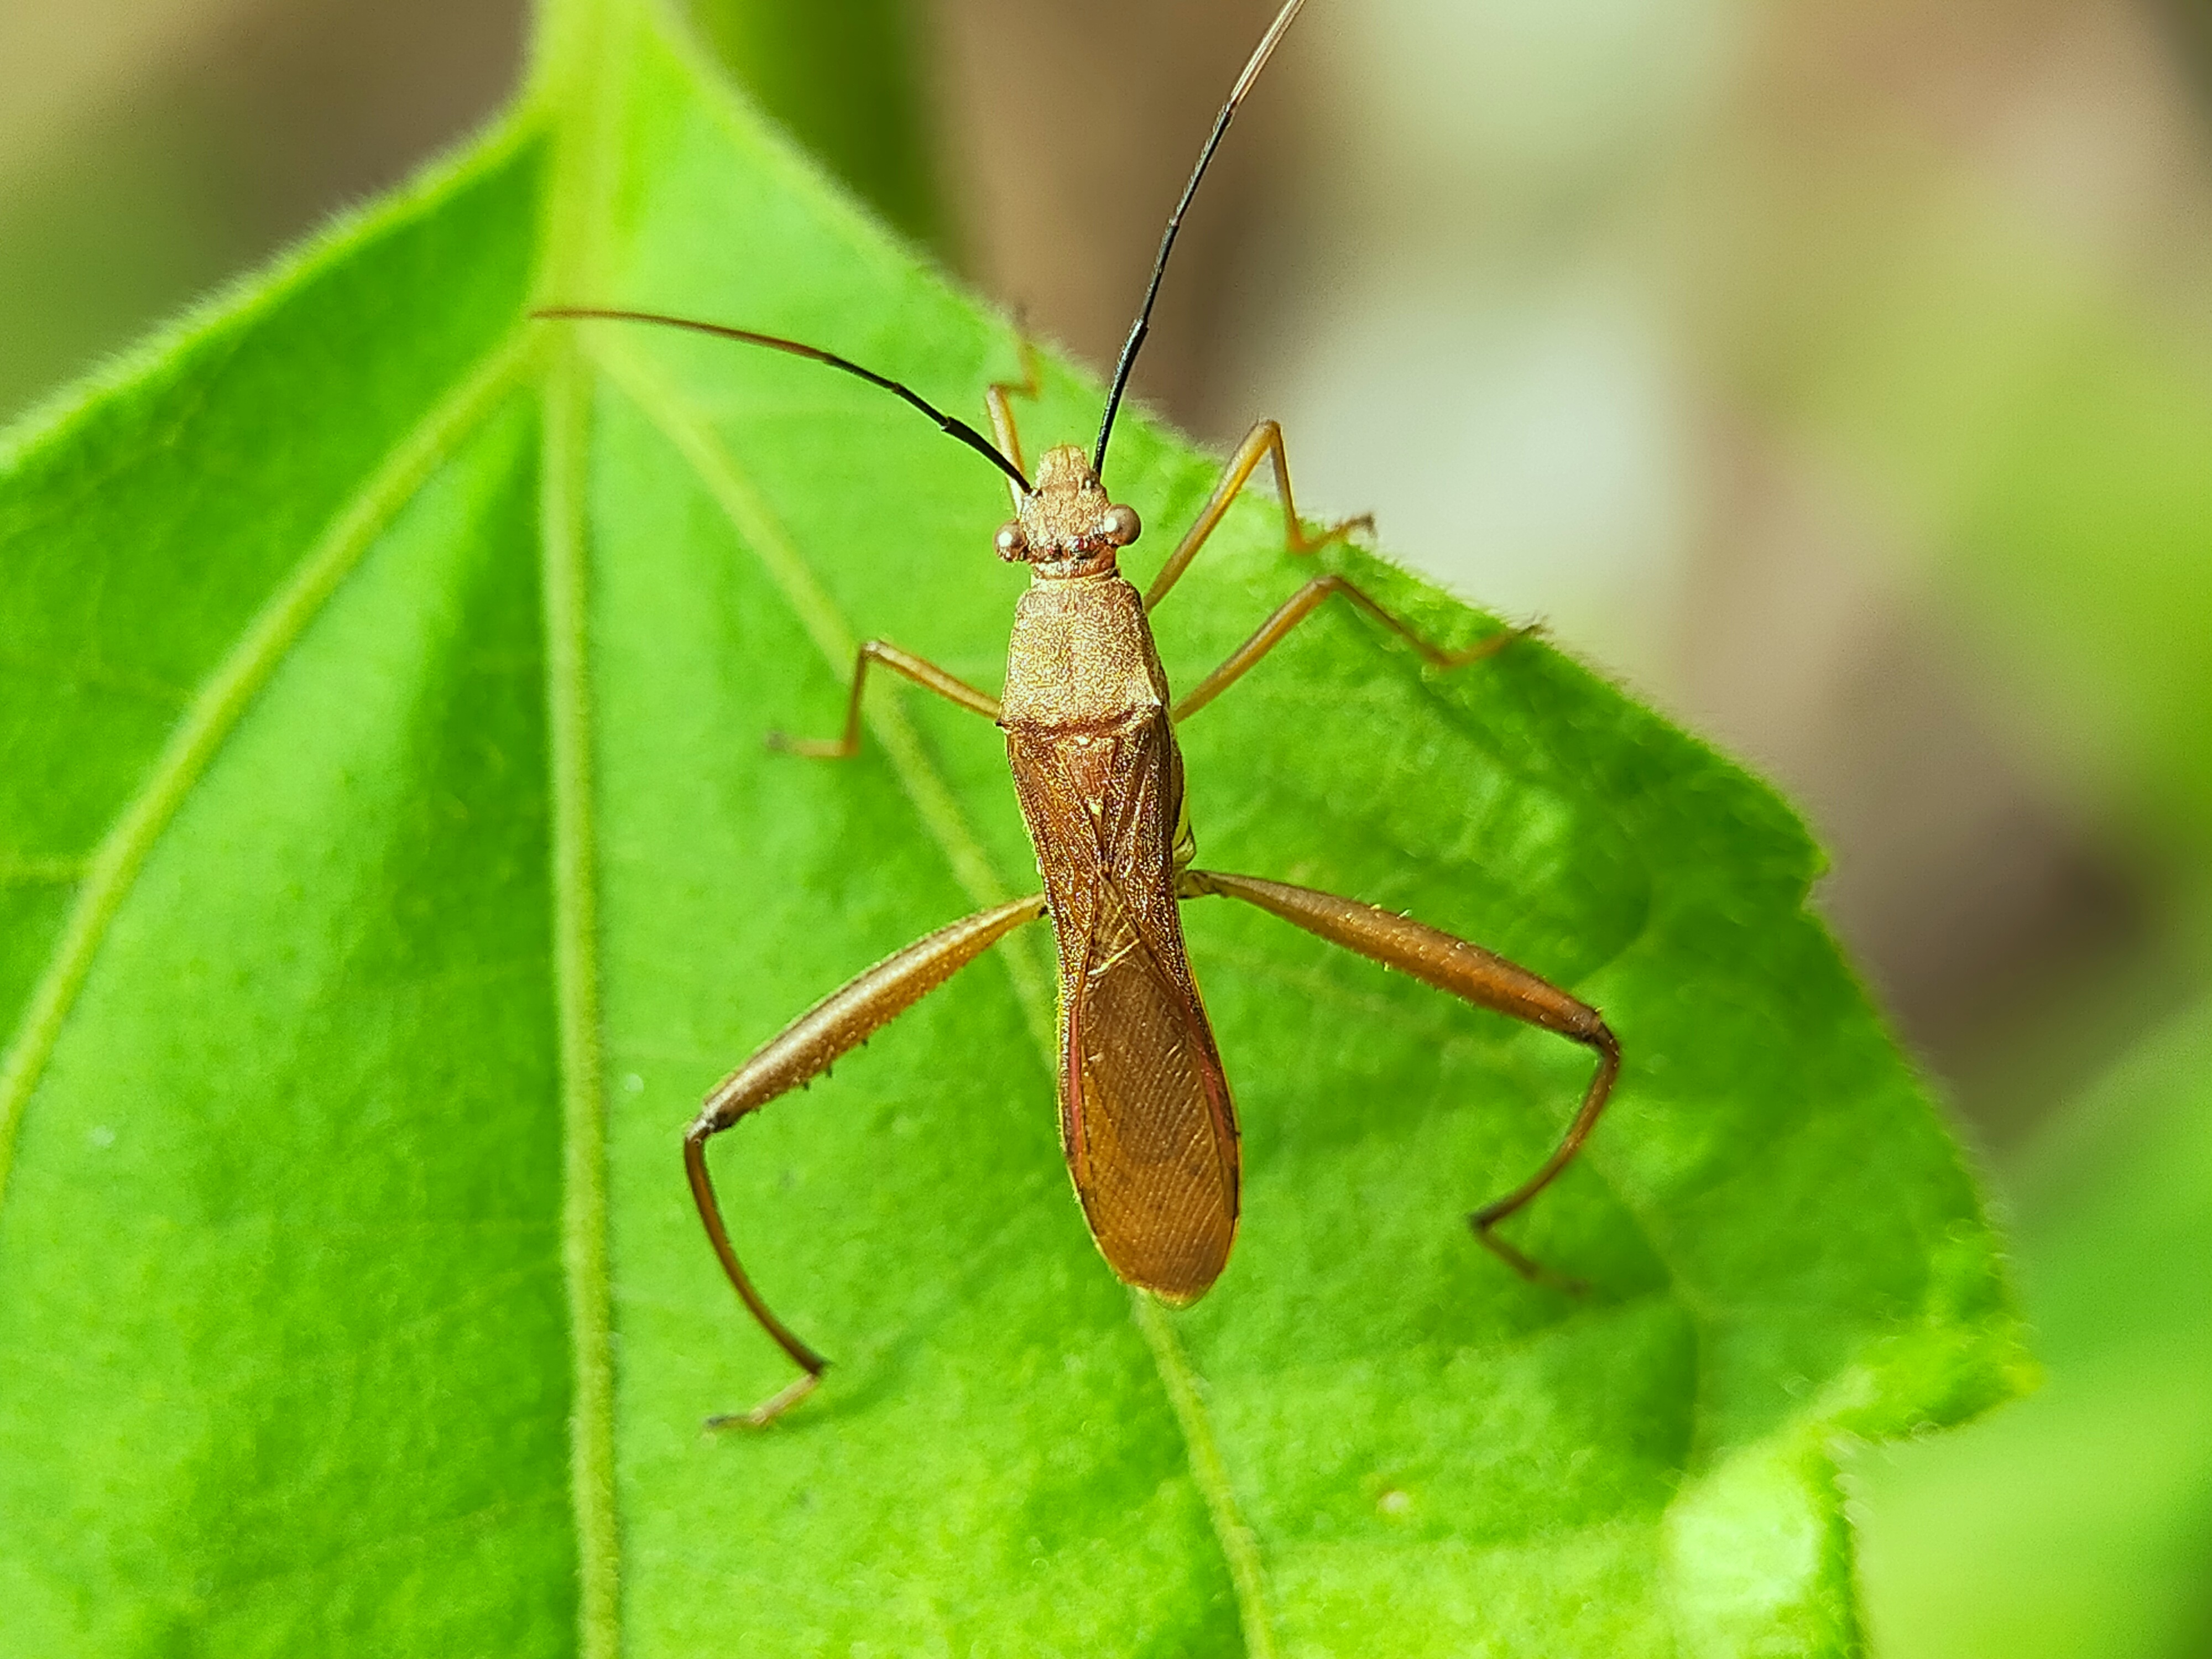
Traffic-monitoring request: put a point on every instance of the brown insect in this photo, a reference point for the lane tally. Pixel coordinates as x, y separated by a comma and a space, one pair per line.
1144, 1113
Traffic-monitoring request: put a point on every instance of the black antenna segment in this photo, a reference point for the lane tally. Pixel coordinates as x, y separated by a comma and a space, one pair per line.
951, 426
1144, 322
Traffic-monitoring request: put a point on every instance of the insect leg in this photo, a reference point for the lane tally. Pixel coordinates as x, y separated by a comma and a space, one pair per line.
1469, 972
1263, 442
920, 669
1301, 605
804, 1050
1002, 412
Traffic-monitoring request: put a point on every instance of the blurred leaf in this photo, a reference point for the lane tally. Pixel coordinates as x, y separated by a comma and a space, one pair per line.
392, 859
2038, 428
2081, 1522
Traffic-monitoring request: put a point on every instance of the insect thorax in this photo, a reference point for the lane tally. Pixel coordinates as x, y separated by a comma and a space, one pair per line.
1081, 654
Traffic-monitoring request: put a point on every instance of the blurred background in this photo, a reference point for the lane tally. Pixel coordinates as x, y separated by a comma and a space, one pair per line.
1837, 375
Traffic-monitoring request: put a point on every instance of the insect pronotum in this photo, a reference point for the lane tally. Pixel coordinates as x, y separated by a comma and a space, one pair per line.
1145, 1114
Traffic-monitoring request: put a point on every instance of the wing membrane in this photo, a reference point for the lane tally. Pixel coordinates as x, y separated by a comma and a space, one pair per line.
1145, 1118
1150, 1144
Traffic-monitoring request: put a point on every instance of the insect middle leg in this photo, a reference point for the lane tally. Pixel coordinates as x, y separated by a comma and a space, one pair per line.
804, 1050
922, 671
1263, 442
1301, 605
1466, 971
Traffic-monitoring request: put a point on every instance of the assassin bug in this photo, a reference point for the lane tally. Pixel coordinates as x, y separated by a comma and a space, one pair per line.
1146, 1119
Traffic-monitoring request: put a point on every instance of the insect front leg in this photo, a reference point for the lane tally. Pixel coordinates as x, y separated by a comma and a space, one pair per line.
995, 400
802, 1051
1469, 972
1301, 605
922, 671
1263, 442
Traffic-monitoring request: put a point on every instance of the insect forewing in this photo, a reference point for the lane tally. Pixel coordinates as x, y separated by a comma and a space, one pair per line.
1146, 1112
1146, 1117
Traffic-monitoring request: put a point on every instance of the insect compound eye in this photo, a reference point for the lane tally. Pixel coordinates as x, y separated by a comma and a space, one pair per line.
1122, 525
1012, 541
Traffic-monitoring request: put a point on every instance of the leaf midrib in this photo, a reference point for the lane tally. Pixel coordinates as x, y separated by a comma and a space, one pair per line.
578, 80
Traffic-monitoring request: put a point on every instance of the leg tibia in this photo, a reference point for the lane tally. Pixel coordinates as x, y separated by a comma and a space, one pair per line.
802, 1050
1466, 971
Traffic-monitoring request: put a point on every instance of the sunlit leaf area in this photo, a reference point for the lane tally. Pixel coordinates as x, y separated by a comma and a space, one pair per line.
391, 854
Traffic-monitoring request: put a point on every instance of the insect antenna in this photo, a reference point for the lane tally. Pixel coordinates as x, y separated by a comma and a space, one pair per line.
950, 425
1144, 322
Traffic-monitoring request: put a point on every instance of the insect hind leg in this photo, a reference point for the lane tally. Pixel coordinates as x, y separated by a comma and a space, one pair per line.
802, 1051
1470, 973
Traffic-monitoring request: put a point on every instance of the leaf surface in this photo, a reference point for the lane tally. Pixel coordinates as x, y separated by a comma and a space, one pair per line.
392, 859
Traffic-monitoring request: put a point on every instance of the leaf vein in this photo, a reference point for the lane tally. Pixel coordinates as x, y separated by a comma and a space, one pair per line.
214, 714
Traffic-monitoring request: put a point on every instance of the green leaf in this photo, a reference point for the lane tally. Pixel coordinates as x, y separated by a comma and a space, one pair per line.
842, 80
392, 859
2080, 1523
